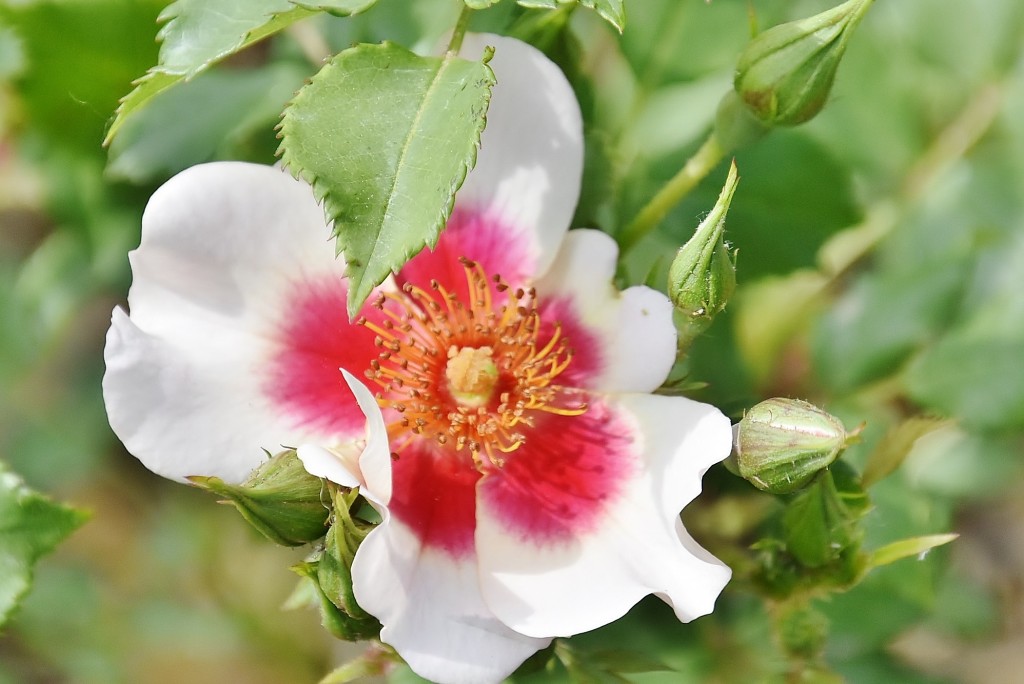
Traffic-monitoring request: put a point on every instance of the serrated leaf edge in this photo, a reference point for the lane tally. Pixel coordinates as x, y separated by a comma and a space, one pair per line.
445, 213
324, 196
167, 18
76, 517
616, 19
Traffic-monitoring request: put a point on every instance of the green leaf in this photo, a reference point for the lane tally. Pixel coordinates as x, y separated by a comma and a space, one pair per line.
905, 548
542, 4
976, 377
876, 325
78, 59
480, 4
200, 33
197, 33
146, 88
611, 11
386, 137
339, 8
894, 447
217, 115
31, 525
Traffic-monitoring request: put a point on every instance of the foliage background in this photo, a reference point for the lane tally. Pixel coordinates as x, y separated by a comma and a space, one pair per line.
922, 142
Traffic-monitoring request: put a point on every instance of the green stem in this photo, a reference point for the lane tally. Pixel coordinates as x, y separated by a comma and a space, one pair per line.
849, 247
459, 32
693, 172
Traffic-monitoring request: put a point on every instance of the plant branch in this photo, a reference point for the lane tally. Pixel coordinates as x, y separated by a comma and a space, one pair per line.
459, 32
696, 168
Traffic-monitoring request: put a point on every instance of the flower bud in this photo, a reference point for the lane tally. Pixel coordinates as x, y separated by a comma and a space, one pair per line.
335, 619
330, 571
781, 444
703, 274
784, 75
279, 498
802, 629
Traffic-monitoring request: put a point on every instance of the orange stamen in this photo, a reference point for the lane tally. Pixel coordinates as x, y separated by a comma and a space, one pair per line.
423, 332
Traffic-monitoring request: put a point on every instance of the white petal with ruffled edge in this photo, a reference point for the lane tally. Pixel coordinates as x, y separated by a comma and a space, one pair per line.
637, 339
183, 387
432, 611
530, 164
220, 242
639, 548
181, 413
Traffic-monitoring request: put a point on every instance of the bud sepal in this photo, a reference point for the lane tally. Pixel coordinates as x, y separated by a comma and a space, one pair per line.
280, 499
821, 524
329, 570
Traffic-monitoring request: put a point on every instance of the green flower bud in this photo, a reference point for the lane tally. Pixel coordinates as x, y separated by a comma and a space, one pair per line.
802, 629
781, 444
703, 274
330, 572
280, 499
784, 75
334, 619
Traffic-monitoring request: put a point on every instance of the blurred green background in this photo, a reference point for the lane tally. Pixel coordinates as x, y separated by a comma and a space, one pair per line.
915, 310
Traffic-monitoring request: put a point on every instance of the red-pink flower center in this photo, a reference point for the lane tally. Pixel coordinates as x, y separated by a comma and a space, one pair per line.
469, 376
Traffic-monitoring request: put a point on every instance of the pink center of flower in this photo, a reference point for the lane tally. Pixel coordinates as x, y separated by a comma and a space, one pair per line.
487, 402
469, 376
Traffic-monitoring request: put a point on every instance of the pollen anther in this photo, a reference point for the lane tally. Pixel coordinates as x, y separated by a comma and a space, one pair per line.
469, 374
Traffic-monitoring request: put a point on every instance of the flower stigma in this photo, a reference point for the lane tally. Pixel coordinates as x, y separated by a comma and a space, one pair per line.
471, 375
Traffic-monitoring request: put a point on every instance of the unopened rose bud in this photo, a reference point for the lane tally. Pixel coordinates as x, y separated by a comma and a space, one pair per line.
785, 74
280, 499
703, 274
781, 444
335, 619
